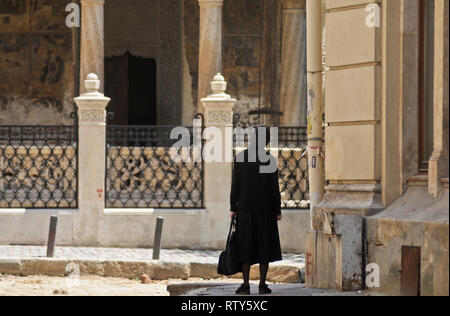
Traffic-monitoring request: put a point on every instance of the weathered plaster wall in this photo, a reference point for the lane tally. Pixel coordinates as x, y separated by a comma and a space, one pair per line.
417, 220
36, 63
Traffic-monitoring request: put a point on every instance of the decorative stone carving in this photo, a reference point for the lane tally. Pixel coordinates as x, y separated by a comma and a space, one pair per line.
219, 117
92, 116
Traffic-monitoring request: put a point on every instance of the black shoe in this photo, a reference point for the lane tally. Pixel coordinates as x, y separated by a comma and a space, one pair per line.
243, 290
264, 289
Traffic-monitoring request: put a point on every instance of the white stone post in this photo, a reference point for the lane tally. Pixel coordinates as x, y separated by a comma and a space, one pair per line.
91, 163
92, 52
218, 109
210, 44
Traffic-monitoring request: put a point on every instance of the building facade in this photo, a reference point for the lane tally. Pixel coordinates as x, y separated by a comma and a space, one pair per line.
384, 216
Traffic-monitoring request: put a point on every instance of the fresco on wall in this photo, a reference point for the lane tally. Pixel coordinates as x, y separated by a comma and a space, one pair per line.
13, 6
36, 57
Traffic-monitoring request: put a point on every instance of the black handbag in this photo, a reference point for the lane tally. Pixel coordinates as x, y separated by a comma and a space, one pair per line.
228, 261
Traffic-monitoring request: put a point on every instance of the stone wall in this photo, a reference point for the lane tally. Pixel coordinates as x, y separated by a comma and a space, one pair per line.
416, 220
36, 63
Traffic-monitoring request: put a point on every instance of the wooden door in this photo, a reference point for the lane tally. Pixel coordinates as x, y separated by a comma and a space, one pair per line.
116, 87
410, 281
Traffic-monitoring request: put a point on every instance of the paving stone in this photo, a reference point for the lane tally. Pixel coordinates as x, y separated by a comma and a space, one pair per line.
278, 290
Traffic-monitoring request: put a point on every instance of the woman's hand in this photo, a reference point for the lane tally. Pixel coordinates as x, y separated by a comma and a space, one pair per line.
279, 217
232, 215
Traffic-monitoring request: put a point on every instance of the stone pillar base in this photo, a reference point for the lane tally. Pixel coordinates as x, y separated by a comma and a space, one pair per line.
336, 261
364, 200
335, 249
436, 170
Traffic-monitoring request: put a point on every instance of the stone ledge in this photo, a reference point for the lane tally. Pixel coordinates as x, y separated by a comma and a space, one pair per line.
357, 199
419, 180
156, 270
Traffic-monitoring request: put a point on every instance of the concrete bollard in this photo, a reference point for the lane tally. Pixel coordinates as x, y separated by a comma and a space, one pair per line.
52, 236
158, 238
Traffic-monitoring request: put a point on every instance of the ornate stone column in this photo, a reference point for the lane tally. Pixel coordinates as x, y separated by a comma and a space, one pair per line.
210, 44
218, 109
92, 41
293, 101
91, 163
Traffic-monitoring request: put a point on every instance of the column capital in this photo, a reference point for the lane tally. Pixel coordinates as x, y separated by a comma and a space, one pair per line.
210, 3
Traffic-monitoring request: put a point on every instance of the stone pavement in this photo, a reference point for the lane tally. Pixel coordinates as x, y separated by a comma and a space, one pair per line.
277, 290
132, 263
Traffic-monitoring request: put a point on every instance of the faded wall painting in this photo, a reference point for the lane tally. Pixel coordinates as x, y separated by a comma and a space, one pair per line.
36, 63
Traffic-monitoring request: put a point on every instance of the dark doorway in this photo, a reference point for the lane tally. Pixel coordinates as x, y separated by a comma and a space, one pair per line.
130, 82
410, 283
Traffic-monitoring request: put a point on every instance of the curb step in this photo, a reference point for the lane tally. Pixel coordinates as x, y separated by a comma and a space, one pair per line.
155, 269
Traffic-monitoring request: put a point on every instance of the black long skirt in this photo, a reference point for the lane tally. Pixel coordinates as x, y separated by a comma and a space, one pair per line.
258, 238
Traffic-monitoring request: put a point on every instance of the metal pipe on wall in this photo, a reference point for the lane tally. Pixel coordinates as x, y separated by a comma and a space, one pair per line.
315, 103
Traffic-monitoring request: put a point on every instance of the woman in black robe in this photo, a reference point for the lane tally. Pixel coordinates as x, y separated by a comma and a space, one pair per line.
256, 203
